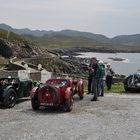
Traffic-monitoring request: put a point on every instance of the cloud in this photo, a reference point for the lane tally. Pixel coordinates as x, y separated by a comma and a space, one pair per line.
99, 16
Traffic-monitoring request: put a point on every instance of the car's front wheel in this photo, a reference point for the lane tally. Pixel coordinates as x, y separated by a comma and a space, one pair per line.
35, 103
81, 91
130, 83
10, 98
68, 104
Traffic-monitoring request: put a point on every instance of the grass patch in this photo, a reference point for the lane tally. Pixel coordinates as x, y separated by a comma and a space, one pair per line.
3, 61
116, 88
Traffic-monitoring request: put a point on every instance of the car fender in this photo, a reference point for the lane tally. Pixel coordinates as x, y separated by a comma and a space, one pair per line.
80, 86
34, 91
6, 89
68, 93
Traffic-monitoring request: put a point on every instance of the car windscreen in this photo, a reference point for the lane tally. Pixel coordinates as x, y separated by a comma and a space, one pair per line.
56, 82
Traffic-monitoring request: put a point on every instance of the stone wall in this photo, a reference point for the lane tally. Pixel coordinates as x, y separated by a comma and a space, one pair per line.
8, 73
36, 76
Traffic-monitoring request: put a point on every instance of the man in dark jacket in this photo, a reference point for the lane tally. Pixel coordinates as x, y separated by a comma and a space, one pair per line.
89, 77
96, 74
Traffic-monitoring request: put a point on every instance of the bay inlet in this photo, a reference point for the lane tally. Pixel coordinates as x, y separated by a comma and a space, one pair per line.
122, 63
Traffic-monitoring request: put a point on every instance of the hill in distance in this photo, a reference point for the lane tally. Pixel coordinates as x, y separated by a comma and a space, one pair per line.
131, 40
43, 33
73, 38
25, 31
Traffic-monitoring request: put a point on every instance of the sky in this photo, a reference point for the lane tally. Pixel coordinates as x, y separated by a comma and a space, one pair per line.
107, 17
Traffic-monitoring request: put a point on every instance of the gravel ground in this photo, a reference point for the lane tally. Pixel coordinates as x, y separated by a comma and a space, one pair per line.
113, 117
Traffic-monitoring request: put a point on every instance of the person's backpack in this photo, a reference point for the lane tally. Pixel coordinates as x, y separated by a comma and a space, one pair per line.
112, 72
102, 67
100, 73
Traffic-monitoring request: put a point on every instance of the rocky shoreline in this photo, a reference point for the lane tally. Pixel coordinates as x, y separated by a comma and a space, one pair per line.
81, 65
53, 59
74, 51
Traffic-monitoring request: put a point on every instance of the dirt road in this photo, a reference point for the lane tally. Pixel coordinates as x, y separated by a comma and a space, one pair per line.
113, 117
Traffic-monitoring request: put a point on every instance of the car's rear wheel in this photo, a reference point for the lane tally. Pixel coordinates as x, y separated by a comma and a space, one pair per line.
35, 103
10, 98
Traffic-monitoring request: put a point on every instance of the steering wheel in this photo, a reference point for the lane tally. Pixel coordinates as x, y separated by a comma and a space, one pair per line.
15, 83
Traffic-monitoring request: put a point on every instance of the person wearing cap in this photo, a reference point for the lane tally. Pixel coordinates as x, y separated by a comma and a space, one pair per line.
102, 78
109, 76
96, 75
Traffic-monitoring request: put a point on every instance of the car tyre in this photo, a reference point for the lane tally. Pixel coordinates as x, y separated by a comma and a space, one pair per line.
10, 98
81, 97
81, 92
35, 103
127, 84
68, 104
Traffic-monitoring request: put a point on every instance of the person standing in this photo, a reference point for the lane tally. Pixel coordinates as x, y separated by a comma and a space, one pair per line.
109, 76
96, 72
89, 77
102, 78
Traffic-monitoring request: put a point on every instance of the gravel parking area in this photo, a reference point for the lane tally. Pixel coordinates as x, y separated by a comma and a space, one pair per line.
113, 117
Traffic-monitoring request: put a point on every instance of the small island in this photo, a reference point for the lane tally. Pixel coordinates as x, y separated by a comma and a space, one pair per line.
117, 59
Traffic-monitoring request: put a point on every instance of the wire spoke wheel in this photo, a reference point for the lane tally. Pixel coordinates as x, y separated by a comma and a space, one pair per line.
10, 98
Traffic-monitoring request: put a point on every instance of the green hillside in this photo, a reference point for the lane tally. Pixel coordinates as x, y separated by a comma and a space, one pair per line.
130, 40
10, 36
61, 42
73, 39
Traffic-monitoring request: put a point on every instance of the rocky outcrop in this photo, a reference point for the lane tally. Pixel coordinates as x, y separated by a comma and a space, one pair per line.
75, 66
53, 64
5, 50
20, 49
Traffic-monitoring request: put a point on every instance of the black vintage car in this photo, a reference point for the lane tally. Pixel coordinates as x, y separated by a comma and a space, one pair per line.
132, 83
12, 89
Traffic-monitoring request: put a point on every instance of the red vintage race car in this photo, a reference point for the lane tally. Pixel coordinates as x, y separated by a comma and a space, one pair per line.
57, 93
